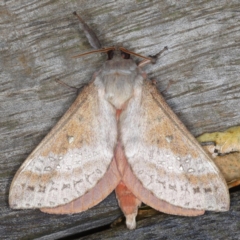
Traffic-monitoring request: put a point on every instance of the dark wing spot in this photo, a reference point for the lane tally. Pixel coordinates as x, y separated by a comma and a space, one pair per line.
196, 190
30, 188
207, 190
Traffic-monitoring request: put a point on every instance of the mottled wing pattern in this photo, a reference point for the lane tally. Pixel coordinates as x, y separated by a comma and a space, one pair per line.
72, 158
166, 158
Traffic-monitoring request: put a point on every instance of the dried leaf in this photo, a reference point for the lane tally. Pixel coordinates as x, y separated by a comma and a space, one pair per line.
227, 141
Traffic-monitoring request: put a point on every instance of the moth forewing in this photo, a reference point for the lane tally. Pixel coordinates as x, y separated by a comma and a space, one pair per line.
71, 159
166, 158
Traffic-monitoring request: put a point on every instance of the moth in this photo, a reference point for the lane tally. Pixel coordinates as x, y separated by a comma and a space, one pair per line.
119, 134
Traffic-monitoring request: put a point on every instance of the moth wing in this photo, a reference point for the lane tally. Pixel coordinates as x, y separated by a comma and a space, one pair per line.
141, 193
166, 158
94, 196
72, 158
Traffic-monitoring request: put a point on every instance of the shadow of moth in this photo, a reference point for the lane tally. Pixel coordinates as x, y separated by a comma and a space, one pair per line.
119, 134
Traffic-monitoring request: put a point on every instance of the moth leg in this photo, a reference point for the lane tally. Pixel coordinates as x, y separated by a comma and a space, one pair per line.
89, 33
153, 58
73, 89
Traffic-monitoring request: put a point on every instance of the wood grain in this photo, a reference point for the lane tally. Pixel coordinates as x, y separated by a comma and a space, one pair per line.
198, 76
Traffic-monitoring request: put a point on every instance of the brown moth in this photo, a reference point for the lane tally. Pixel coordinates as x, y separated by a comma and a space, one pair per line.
119, 134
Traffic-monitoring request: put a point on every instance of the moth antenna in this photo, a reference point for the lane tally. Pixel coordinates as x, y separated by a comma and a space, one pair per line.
133, 53
89, 33
95, 51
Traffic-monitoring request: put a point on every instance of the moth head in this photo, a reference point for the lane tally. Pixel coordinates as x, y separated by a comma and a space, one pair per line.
118, 53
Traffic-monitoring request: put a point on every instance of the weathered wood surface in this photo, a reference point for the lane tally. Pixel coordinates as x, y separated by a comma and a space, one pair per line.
199, 73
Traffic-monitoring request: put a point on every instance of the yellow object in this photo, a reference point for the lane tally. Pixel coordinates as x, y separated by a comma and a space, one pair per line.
227, 141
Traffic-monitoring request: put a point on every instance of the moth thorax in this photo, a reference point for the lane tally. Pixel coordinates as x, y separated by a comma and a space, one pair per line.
118, 88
